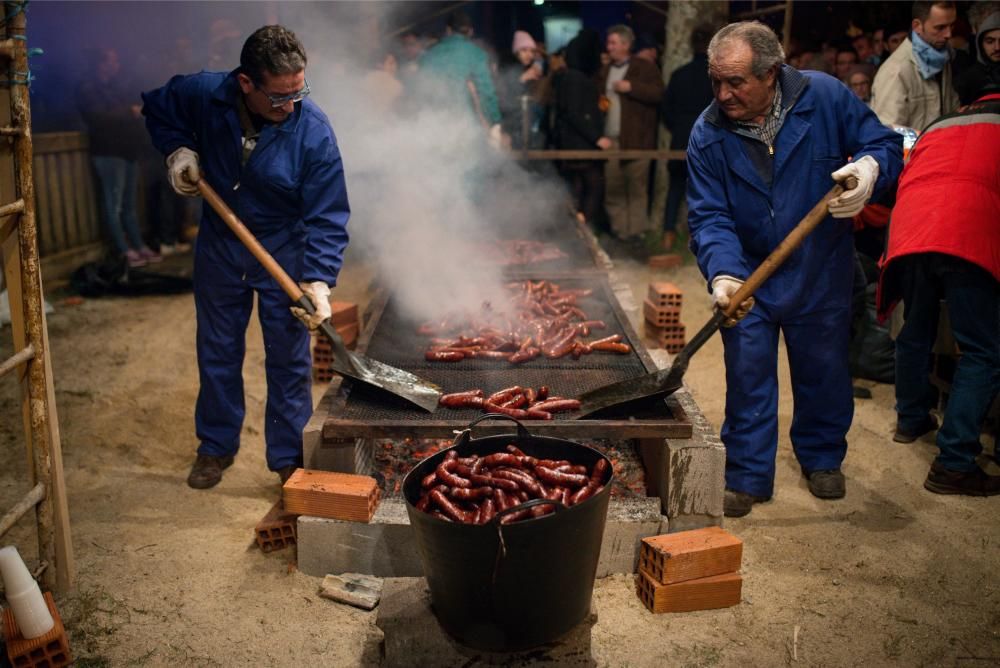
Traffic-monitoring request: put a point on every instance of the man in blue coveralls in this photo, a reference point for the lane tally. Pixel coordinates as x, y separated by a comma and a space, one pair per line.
272, 156
768, 148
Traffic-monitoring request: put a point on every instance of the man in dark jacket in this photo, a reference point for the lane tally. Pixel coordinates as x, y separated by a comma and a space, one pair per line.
272, 156
579, 123
633, 87
759, 158
986, 71
688, 93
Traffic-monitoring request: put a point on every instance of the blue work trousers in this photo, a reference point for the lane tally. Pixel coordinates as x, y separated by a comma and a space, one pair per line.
117, 179
817, 345
226, 279
973, 298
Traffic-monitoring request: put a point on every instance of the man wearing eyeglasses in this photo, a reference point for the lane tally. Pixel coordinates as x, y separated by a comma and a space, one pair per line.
272, 156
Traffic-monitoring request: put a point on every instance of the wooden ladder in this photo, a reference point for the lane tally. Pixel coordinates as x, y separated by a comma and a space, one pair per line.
30, 364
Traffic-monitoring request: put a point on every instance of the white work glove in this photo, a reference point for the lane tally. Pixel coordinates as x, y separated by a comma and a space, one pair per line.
319, 294
850, 202
724, 287
180, 164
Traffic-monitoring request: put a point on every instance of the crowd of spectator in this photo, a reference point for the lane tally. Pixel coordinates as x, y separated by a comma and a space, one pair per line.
603, 91
609, 94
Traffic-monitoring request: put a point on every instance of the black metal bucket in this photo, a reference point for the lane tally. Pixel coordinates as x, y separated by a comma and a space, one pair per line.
511, 586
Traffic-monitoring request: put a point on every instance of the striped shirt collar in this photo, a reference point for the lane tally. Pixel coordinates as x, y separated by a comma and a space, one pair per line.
775, 116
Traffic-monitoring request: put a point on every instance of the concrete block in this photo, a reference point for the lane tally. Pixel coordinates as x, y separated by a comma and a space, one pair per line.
383, 547
688, 522
688, 476
696, 479
627, 524
413, 636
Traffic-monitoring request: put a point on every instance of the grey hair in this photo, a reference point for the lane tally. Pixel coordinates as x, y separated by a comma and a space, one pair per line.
764, 44
623, 31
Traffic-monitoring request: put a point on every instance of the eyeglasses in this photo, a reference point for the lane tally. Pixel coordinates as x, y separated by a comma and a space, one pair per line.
279, 101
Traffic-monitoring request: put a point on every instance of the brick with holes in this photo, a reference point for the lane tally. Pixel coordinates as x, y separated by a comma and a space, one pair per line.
664, 293
276, 530
49, 651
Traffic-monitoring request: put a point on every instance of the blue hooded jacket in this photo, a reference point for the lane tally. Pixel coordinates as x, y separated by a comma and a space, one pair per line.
292, 188
737, 215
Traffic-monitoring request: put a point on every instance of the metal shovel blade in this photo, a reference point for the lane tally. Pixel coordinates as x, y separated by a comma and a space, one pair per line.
391, 379
657, 384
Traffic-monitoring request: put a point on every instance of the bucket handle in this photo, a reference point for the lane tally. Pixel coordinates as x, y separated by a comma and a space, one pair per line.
502, 550
559, 507
466, 435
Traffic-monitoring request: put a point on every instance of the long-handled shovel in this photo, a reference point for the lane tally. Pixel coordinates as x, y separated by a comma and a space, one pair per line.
667, 381
361, 369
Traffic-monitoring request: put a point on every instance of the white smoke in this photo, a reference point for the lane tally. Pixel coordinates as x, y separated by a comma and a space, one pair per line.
423, 183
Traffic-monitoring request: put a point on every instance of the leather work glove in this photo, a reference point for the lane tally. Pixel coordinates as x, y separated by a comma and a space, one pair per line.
319, 294
180, 164
724, 287
850, 202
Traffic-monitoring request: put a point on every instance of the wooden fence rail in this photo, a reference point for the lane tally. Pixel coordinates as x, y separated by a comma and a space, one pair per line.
69, 229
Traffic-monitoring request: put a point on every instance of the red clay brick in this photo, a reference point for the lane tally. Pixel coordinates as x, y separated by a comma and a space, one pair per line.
276, 530
661, 316
709, 593
663, 293
344, 313
48, 651
668, 261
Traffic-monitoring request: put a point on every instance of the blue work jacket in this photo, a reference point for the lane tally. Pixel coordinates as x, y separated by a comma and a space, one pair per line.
292, 188
737, 218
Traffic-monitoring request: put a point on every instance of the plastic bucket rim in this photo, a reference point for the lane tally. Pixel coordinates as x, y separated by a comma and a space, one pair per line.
443, 452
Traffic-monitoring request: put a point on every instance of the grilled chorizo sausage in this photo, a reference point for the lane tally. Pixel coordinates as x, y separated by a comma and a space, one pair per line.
560, 478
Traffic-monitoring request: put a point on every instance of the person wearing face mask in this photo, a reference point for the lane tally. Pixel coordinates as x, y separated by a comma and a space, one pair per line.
914, 86
271, 155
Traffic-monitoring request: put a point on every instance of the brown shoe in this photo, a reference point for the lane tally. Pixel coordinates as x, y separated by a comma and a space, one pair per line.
207, 471
739, 504
976, 482
286, 473
827, 484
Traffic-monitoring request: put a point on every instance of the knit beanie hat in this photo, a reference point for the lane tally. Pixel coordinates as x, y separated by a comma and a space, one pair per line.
522, 40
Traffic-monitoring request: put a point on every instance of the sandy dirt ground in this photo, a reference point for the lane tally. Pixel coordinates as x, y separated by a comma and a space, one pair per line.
168, 576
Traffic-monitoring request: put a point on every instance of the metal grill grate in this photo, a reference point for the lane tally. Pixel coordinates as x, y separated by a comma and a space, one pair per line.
369, 413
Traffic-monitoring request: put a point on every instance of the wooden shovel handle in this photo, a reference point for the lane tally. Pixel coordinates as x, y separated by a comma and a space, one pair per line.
290, 287
786, 247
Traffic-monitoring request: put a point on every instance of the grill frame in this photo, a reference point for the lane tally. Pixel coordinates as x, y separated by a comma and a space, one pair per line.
665, 418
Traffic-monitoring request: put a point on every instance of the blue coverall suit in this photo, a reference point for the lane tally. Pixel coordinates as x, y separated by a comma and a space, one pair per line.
292, 195
742, 203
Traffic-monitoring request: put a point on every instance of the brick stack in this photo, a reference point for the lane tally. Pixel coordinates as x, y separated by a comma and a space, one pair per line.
339, 496
662, 310
276, 530
345, 320
50, 650
690, 570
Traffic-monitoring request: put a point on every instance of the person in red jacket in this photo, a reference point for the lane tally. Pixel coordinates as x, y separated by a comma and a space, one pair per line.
944, 243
